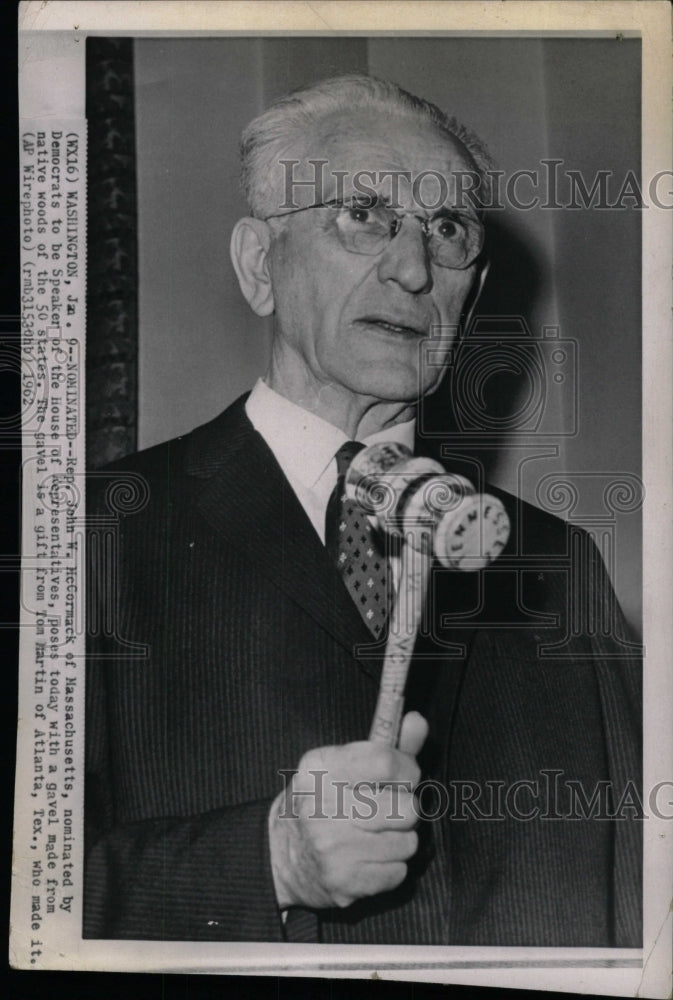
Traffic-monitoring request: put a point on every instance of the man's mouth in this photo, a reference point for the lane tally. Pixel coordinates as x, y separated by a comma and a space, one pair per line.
414, 329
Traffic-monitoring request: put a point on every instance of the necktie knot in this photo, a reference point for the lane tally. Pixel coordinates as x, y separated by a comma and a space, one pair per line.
355, 550
345, 455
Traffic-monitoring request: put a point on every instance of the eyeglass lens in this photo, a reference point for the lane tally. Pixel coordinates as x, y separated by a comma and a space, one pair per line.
454, 239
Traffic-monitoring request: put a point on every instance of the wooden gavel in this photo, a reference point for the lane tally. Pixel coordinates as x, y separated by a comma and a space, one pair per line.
432, 512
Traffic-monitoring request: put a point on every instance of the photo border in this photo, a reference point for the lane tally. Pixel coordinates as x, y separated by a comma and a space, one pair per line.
51, 38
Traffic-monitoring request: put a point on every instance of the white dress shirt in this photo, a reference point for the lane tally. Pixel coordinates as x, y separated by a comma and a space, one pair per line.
305, 446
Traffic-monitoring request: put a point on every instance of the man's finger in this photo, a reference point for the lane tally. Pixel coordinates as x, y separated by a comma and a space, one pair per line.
389, 846
413, 733
388, 808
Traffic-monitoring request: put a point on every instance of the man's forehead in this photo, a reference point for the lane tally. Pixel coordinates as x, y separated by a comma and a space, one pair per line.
345, 151
372, 132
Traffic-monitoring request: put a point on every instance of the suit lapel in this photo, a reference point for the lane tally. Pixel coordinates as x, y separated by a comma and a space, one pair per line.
249, 503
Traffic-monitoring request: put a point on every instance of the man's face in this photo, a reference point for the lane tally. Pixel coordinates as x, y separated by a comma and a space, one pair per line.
353, 320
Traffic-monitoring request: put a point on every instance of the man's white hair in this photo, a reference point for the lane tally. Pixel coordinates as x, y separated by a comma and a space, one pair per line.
267, 137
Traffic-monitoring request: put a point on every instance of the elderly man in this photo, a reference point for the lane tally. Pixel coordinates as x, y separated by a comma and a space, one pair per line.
232, 793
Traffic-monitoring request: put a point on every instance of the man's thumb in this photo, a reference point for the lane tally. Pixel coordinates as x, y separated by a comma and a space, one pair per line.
412, 733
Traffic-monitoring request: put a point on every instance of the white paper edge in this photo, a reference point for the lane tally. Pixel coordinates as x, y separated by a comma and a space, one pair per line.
39, 47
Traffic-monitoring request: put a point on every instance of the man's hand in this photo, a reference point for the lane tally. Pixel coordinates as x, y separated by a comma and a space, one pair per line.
343, 828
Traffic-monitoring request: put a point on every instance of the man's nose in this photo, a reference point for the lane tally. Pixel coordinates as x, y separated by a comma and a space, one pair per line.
406, 259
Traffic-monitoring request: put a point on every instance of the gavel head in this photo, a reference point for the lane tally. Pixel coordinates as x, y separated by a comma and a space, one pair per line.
417, 500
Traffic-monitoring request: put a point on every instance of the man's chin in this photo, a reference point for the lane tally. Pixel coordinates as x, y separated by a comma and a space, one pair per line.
398, 391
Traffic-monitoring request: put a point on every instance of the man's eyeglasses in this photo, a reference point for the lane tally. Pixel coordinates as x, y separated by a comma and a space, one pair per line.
454, 239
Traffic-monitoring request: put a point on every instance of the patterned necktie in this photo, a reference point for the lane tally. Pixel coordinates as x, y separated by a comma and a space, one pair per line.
356, 550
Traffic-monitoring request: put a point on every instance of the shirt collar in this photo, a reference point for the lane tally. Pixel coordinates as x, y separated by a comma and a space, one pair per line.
302, 441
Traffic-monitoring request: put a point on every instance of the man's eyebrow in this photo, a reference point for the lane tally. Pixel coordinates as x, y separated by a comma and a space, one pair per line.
376, 199
363, 199
449, 210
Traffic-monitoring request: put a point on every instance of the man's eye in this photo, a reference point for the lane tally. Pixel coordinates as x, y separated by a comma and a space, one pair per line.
448, 229
359, 215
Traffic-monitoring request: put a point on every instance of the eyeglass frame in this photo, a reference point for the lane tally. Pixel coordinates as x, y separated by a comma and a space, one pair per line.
399, 218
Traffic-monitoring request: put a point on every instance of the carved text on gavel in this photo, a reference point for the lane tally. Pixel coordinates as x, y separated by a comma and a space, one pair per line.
413, 498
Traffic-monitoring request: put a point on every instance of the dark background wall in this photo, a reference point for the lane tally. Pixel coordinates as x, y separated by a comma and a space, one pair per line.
577, 271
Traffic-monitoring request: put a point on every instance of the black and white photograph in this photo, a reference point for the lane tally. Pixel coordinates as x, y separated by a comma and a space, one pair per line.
354, 480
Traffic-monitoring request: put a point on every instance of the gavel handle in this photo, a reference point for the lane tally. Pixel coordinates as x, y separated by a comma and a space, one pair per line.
404, 623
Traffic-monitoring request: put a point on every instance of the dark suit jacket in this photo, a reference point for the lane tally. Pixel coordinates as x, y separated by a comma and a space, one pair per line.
227, 646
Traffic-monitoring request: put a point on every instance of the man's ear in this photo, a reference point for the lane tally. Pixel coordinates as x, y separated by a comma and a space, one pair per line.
474, 296
250, 242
